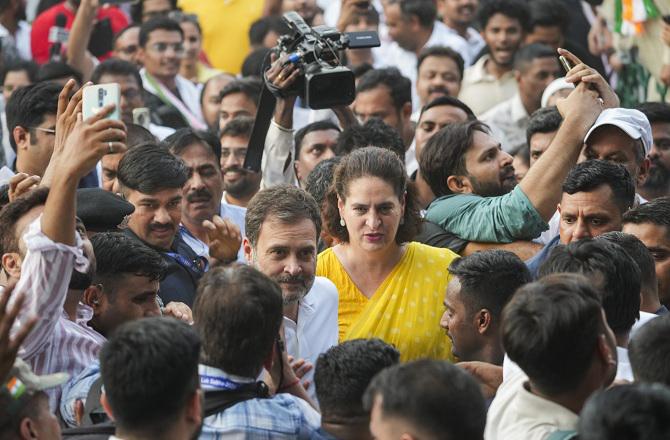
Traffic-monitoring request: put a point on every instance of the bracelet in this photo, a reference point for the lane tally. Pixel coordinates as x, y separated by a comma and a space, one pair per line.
292, 384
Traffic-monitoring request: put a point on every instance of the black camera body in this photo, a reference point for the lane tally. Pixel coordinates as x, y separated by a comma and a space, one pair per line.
325, 82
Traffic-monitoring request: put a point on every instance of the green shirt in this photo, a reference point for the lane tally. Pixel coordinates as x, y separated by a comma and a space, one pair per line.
502, 219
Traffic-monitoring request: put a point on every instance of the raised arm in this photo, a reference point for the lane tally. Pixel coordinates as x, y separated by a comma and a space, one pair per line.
80, 34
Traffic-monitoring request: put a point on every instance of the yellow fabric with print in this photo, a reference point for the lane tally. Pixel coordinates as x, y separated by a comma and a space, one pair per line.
405, 309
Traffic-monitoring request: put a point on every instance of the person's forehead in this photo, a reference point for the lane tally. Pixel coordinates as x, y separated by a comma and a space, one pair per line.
444, 114
609, 136
215, 85
379, 96
328, 135
156, 5
17, 75
439, 62
49, 120
237, 100
234, 142
131, 36
501, 20
480, 142
649, 233
197, 154
296, 234
164, 195
164, 36
124, 81
544, 63
600, 198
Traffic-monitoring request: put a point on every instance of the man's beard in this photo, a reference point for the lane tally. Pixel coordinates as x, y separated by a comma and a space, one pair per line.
295, 295
242, 187
494, 189
659, 176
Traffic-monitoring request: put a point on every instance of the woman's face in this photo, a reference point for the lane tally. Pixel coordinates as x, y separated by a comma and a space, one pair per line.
372, 213
192, 40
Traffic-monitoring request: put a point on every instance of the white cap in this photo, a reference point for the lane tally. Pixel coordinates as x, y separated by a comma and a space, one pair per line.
633, 122
553, 87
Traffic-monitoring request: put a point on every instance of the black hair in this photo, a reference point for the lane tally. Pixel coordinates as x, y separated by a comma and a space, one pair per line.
137, 10
442, 52
138, 135
525, 56
399, 87
344, 372
238, 127
588, 176
625, 412
158, 23
551, 329
361, 69
28, 106
655, 111
639, 253
30, 67
425, 10
375, 133
489, 279
237, 312
613, 271
124, 30
117, 254
547, 13
436, 397
150, 168
449, 101
115, 66
543, 120
254, 62
183, 138
314, 126
649, 351
251, 87
12, 212
141, 399
320, 179
260, 28
55, 70
516, 9
656, 212
14, 410
444, 154
206, 83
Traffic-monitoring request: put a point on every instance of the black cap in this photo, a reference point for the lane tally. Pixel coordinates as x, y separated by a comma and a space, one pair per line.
101, 210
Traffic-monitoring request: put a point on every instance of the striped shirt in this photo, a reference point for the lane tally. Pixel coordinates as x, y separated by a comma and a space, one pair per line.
56, 344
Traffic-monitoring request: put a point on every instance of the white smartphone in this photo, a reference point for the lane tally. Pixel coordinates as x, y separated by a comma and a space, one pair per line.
98, 96
142, 117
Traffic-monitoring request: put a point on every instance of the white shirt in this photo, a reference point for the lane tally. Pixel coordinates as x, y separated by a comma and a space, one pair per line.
510, 119
474, 40
411, 162
316, 330
20, 40
406, 60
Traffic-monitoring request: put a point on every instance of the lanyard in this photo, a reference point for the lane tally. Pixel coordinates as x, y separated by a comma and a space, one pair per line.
220, 382
198, 265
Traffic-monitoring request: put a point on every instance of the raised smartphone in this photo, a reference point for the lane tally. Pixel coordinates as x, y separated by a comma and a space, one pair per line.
98, 96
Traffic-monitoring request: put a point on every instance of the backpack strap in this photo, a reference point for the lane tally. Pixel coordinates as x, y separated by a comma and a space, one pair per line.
217, 401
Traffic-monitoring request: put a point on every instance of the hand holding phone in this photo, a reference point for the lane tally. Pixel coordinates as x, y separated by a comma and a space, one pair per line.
98, 96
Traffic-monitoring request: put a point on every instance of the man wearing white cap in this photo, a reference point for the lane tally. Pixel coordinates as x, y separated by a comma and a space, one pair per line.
24, 406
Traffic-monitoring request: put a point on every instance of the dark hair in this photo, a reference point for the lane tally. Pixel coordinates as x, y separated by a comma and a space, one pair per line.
449, 101
28, 106
444, 154
649, 351
551, 329
138, 135
655, 111
374, 133
237, 312
441, 52
320, 179
525, 56
309, 128
30, 67
371, 162
425, 10
238, 127
206, 84
632, 411
285, 203
548, 13
516, 9
639, 253
124, 30
183, 138
117, 254
399, 87
588, 176
344, 372
437, 397
155, 24
115, 66
613, 271
255, 61
149, 168
260, 28
656, 212
12, 213
137, 10
489, 279
140, 398
251, 87
54, 70
13, 410
361, 69
543, 120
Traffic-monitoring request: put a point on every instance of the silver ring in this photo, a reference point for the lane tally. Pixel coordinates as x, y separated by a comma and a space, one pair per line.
111, 149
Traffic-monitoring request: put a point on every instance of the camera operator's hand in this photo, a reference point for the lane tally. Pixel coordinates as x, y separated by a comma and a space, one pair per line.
282, 75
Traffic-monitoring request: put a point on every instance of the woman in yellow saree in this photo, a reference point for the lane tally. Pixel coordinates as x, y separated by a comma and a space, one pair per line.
390, 288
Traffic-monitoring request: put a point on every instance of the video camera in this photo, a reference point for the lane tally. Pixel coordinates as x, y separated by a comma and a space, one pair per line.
325, 82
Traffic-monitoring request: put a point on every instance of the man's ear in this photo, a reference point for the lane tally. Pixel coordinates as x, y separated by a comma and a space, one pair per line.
248, 251
93, 297
483, 320
607, 357
643, 171
105, 405
406, 111
11, 263
21, 137
296, 168
27, 429
459, 185
195, 409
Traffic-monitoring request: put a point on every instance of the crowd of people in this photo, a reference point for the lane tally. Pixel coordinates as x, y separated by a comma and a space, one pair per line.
476, 247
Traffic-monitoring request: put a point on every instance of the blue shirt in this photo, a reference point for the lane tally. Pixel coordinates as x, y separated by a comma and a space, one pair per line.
283, 416
536, 260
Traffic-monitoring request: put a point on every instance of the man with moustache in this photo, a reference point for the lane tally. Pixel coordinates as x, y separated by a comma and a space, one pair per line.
658, 179
283, 225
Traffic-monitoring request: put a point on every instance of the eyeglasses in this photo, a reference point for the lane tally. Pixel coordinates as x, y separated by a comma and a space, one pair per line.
178, 48
51, 131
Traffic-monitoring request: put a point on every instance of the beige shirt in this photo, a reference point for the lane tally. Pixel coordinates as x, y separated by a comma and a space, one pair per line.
481, 90
508, 121
515, 413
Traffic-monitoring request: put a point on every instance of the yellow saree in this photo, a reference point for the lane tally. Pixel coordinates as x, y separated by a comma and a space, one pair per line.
405, 309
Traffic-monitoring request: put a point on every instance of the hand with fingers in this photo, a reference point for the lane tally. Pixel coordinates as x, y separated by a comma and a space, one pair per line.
224, 239
489, 376
179, 311
301, 367
590, 76
9, 345
21, 184
282, 73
